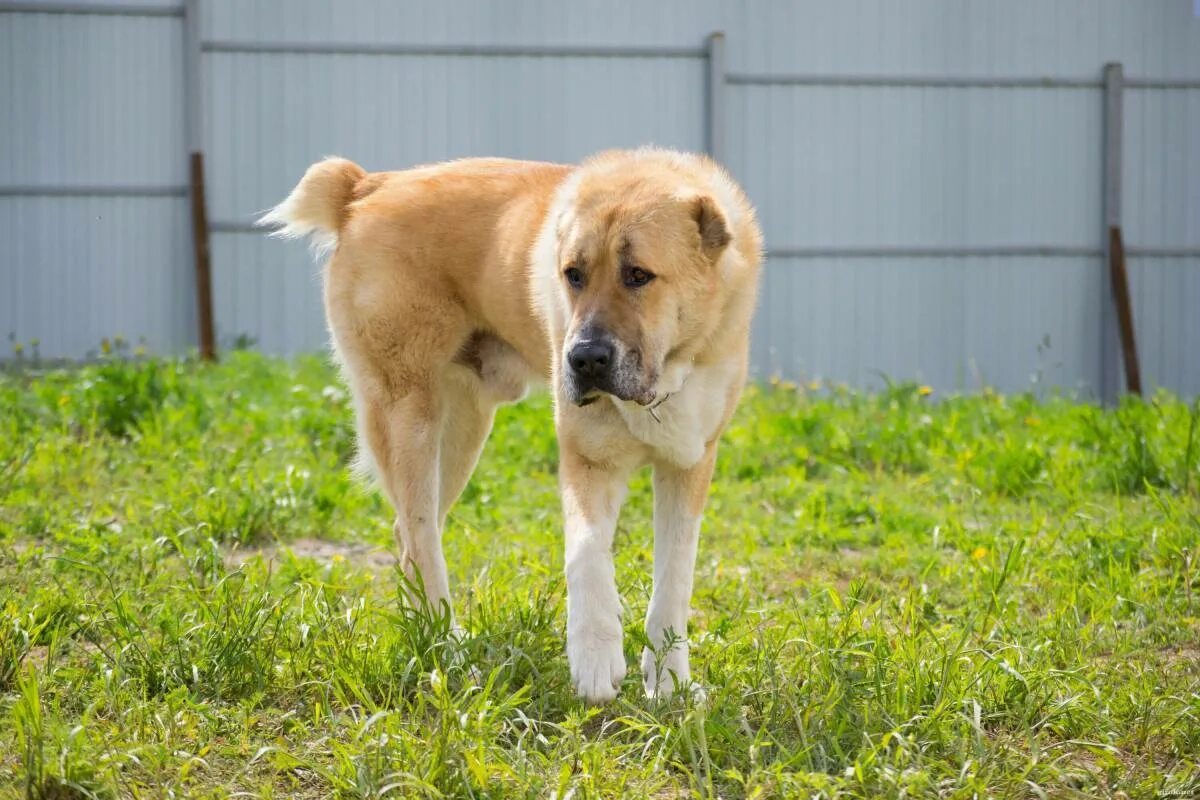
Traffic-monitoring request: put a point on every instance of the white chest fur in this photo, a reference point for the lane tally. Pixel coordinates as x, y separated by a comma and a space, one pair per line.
688, 419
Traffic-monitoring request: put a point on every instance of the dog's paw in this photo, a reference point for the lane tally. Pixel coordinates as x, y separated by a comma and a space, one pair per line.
597, 664
665, 674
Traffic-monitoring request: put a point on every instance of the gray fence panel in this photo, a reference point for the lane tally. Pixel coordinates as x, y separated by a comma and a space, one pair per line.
92, 210
926, 168
920, 166
1161, 208
1166, 308
955, 324
98, 100
931, 37
964, 37
1162, 167
520, 22
268, 293
863, 165
80, 269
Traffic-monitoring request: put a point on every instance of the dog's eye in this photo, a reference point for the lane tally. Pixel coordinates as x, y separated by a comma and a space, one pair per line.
574, 277
633, 277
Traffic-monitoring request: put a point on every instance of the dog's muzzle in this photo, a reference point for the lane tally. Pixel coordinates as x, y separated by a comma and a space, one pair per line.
591, 361
595, 365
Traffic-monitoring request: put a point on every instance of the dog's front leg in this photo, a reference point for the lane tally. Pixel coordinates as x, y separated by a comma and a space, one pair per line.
679, 496
592, 496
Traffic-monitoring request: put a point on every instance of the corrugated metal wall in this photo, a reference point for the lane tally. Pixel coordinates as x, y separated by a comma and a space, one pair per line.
862, 188
1162, 209
897, 167
926, 168
93, 214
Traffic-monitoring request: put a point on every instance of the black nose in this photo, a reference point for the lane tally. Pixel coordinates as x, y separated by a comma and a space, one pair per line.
591, 359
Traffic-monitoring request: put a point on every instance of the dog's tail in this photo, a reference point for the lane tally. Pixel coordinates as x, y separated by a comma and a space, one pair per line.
317, 206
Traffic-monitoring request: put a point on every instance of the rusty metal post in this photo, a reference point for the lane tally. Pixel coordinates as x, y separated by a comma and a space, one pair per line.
1120, 289
204, 304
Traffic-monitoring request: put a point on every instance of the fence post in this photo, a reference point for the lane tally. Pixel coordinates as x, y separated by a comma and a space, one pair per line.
192, 79
716, 97
204, 304
193, 133
1120, 289
1114, 85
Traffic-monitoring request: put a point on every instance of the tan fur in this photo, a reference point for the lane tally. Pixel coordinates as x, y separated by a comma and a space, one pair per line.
318, 205
445, 297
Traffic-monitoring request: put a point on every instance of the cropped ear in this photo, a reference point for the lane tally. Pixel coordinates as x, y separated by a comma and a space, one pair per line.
714, 233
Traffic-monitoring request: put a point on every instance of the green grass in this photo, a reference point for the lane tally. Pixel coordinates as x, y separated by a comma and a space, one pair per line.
897, 596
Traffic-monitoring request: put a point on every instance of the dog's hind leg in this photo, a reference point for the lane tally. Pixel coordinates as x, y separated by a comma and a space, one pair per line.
404, 437
466, 423
396, 337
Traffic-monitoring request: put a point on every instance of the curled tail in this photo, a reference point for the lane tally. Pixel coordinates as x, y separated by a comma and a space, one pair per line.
317, 206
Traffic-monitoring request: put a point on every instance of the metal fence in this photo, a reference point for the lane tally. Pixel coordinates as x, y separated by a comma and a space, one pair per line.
1008, 309
935, 221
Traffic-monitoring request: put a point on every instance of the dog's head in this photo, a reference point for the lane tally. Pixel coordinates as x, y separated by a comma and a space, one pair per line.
640, 239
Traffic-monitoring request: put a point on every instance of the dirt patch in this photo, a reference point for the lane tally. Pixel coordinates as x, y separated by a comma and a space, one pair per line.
38, 657
20, 546
1184, 656
359, 554
851, 554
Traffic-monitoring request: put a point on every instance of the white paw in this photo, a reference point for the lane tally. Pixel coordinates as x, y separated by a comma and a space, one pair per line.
597, 663
664, 675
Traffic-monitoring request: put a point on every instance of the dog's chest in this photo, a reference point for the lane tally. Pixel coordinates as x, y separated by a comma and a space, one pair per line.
679, 429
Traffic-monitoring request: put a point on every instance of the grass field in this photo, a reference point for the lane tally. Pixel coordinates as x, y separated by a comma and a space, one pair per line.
897, 595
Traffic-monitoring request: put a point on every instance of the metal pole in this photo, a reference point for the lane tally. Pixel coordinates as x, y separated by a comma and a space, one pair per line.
1114, 79
1120, 289
98, 9
716, 96
915, 81
204, 303
468, 50
192, 87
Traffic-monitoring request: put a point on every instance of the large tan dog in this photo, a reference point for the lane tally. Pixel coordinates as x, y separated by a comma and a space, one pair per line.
628, 282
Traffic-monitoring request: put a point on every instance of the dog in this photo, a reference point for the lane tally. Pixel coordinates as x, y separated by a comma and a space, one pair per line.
627, 282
